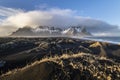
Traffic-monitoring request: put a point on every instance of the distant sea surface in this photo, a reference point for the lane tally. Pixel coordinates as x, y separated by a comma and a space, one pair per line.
106, 39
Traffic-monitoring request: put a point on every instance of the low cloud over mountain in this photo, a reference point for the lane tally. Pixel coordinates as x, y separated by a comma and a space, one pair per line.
12, 19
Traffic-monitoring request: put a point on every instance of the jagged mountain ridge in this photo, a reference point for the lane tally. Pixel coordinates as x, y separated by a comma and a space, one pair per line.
76, 31
50, 31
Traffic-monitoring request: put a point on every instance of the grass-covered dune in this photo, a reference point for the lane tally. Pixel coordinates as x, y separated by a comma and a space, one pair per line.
79, 66
58, 58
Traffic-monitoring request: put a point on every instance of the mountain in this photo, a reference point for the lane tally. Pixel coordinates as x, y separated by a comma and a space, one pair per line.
51, 31
77, 31
25, 31
39, 31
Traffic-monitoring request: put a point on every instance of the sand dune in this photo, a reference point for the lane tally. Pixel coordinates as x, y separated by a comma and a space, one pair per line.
68, 67
58, 58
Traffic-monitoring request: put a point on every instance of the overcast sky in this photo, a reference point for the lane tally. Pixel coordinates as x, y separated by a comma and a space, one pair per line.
100, 16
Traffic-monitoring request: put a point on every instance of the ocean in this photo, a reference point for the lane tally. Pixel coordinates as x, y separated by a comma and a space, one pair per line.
105, 39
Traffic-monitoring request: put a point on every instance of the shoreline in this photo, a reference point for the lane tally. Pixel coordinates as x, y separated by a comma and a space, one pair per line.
91, 38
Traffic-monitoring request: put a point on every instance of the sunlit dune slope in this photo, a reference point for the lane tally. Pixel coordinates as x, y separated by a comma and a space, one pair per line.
79, 66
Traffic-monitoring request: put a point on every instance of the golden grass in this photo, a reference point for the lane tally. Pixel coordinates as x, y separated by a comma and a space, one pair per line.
73, 60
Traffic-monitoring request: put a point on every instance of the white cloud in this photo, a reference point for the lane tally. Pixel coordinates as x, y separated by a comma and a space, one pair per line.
6, 30
51, 17
16, 18
9, 11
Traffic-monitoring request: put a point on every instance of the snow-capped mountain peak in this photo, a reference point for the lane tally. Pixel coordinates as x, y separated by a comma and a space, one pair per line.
79, 31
